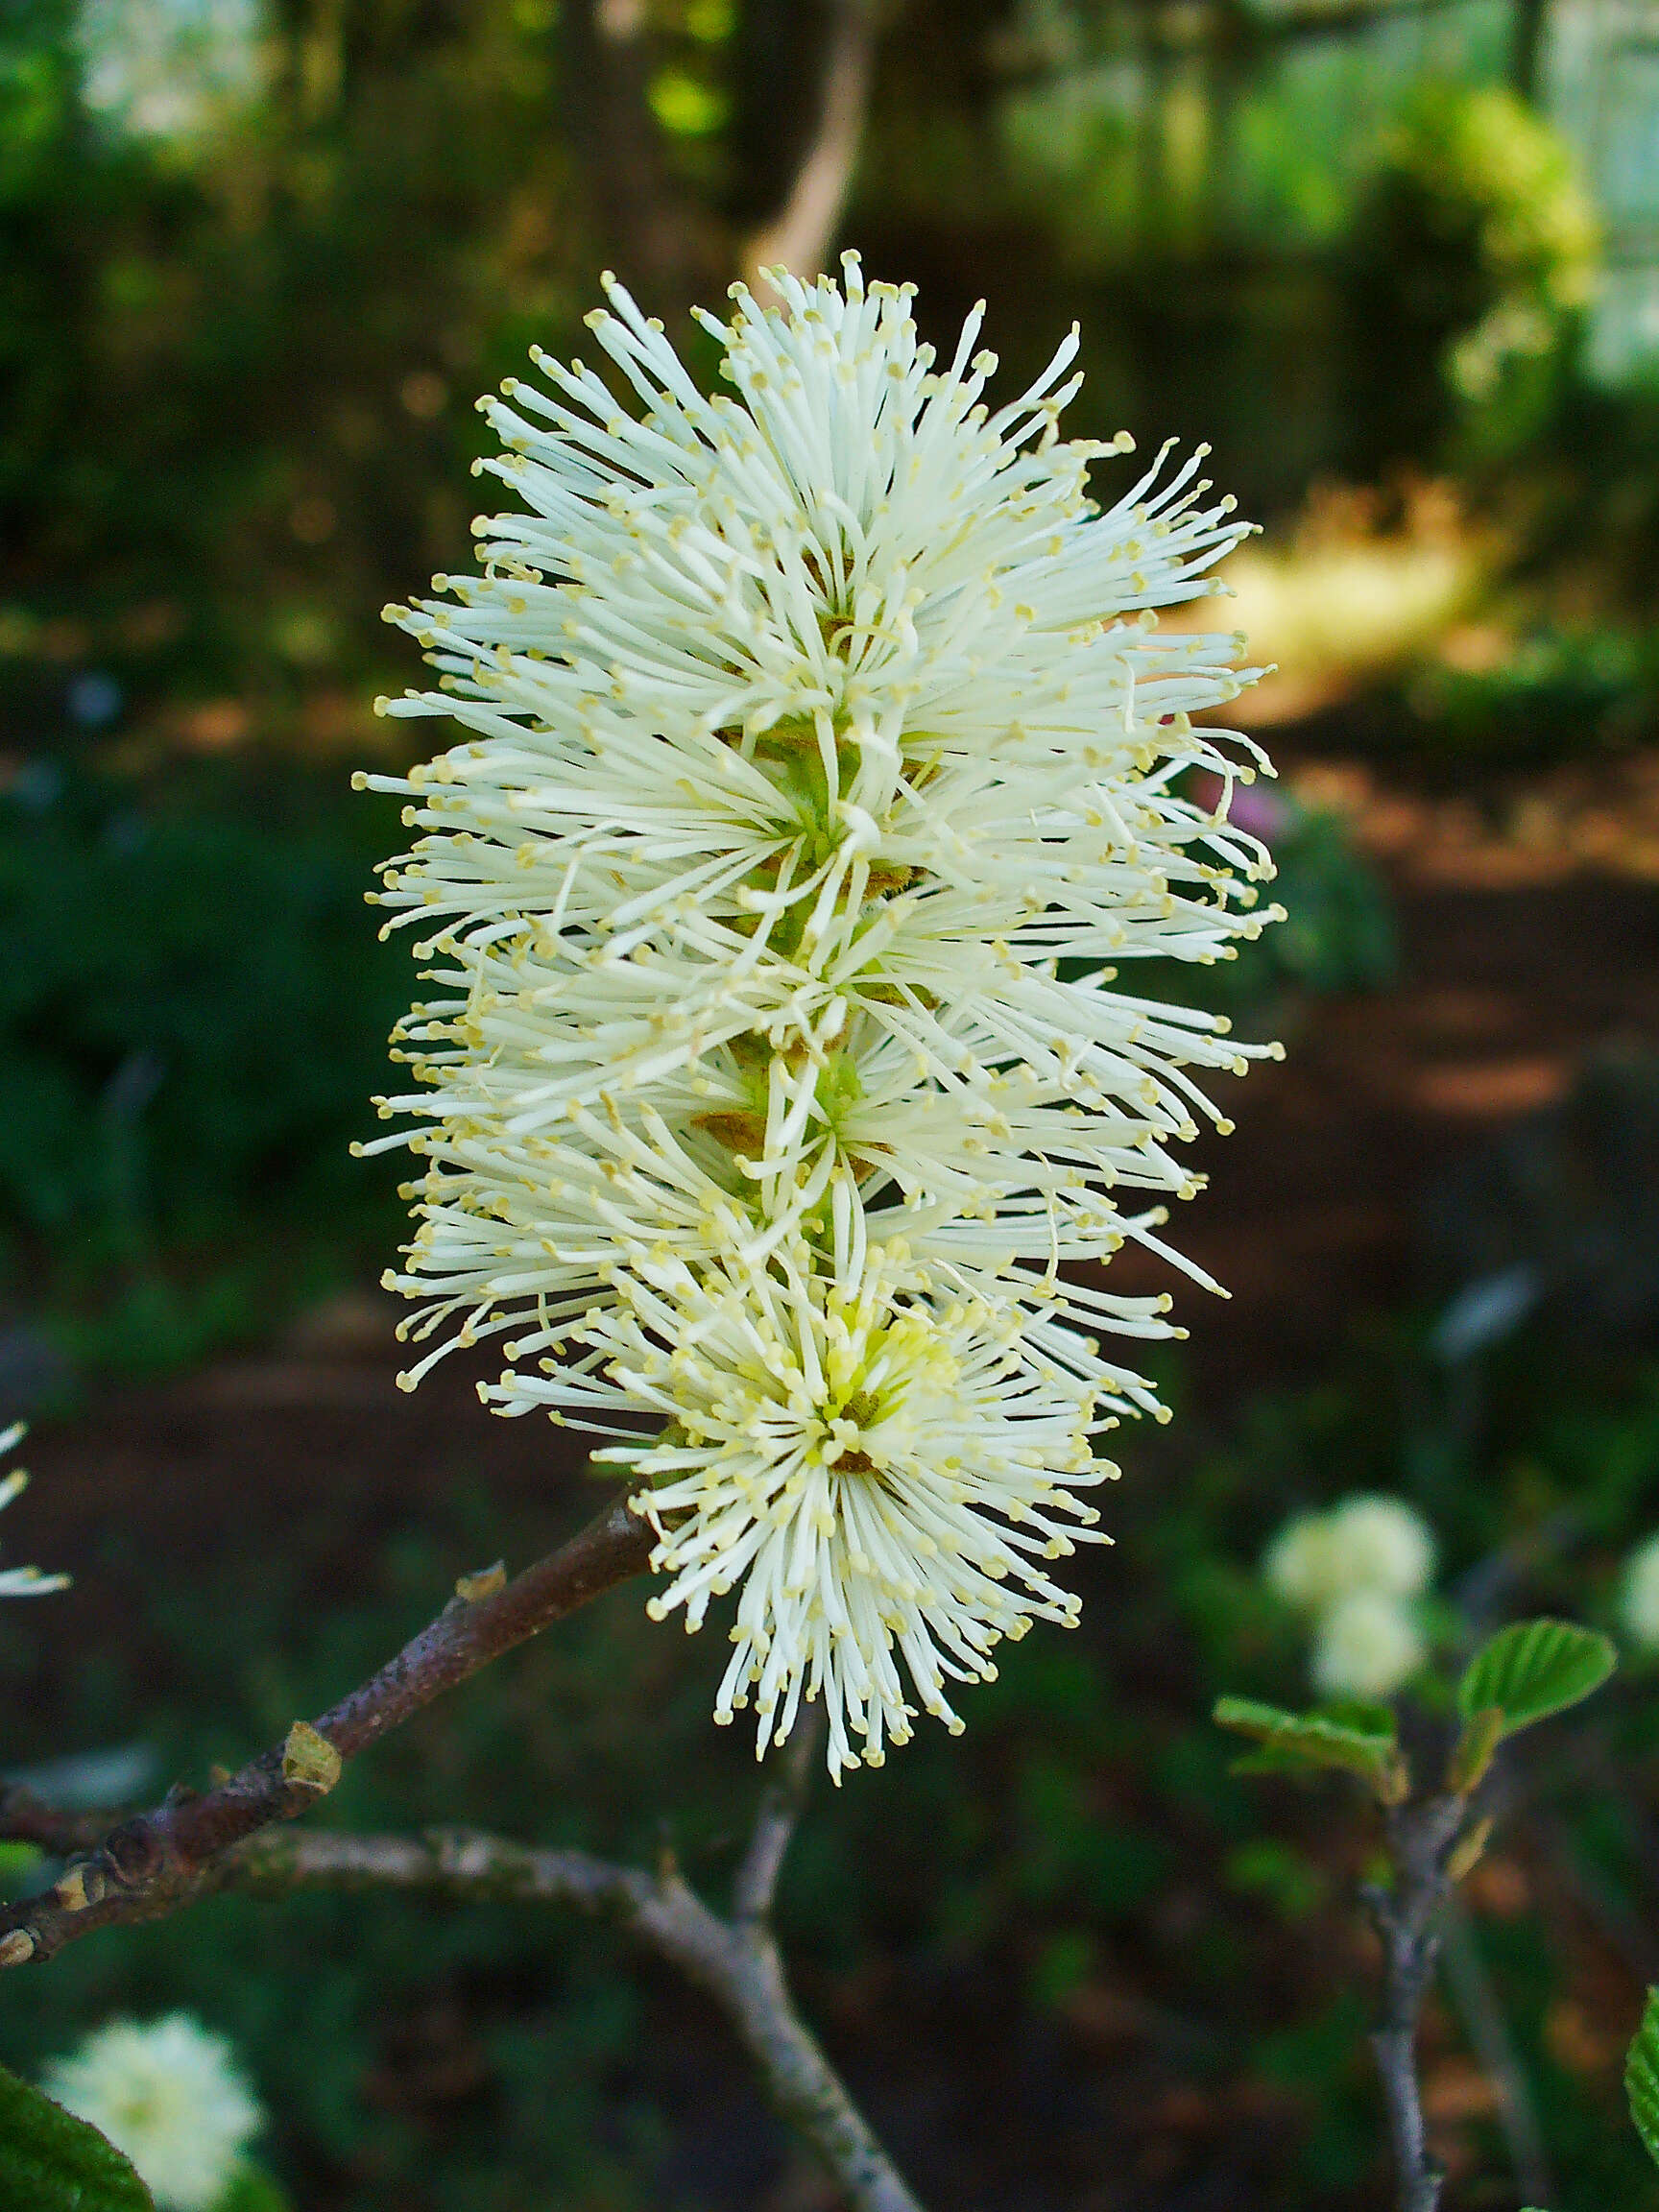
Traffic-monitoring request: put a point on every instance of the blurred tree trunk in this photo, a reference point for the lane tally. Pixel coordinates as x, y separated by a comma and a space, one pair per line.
658, 240
667, 245
802, 234
1527, 38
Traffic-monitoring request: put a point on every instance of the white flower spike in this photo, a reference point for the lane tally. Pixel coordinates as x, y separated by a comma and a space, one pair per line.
818, 771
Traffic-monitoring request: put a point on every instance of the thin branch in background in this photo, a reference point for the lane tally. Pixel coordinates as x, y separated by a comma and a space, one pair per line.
799, 236
1494, 2047
737, 1962
161, 1860
781, 1805
1408, 1918
1482, 1591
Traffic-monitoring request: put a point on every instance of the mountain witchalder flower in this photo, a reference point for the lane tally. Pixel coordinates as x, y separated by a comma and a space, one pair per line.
1367, 1644
818, 784
21, 1581
169, 2094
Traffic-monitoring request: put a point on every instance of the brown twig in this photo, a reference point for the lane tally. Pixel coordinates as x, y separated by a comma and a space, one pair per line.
159, 1861
737, 1962
1408, 1917
781, 1805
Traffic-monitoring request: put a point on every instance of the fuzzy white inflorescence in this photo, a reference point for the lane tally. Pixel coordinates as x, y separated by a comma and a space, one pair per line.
1357, 1569
1364, 1543
167, 2093
819, 776
1367, 1644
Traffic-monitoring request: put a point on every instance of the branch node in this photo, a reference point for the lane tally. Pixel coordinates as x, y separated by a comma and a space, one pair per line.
83, 1884
309, 1761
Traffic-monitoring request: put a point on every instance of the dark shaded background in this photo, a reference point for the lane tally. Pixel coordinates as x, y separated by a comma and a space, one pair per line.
253, 267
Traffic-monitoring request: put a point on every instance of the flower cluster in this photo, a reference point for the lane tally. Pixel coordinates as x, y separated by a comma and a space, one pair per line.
820, 774
169, 2094
1357, 1571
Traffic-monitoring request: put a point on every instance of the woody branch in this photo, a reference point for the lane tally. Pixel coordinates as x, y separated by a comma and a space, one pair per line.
159, 1861
736, 1959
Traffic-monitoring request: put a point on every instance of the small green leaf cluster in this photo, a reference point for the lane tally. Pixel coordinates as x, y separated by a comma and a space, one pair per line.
1641, 2077
1350, 1739
1521, 1675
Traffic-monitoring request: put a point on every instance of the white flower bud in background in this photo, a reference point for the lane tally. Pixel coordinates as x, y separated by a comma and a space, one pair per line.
1381, 1544
1364, 1544
1367, 1644
1297, 1565
170, 2096
1639, 1596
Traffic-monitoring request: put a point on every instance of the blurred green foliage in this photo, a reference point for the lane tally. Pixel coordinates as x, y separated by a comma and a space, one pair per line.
1339, 932
1473, 251
193, 1010
236, 352
1561, 693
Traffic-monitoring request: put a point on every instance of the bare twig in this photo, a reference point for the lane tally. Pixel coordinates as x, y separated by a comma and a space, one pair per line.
1408, 1918
159, 1861
781, 1808
736, 1960
1476, 2000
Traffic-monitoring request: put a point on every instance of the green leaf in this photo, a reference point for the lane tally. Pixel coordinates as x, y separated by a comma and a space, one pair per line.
1294, 1743
51, 2162
251, 2190
1472, 1754
17, 1861
1641, 2077
1370, 1719
1534, 1669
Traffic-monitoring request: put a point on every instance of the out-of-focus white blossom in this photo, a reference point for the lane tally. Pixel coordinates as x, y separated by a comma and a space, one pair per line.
1366, 1644
1296, 1565
1639, 1596
820, 778
1364, 1544
169, 2094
